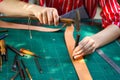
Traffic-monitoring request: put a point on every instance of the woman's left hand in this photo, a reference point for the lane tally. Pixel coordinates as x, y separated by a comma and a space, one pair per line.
86, 46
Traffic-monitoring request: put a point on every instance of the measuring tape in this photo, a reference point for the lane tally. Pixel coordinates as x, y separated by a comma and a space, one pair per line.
115, 66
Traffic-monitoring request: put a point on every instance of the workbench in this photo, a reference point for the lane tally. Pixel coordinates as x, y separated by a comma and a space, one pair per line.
54, 58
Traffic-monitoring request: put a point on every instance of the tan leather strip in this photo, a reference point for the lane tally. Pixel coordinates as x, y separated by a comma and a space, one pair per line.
26, 27
80, 65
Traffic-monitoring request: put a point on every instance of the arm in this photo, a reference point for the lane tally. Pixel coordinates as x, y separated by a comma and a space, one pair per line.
15, 7
89, 44
110, 19
19, 8
107, 35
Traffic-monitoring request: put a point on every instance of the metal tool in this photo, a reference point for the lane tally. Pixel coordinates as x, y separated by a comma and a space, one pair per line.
77, 40
22, 74
77, 23
106, 58
15, 50
14, 66
37, 64
77, 19
26, 69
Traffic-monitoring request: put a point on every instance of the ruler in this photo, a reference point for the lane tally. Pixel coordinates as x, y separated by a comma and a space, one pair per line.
106, 58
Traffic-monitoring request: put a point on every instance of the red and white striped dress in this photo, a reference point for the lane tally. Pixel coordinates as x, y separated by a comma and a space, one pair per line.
110, 8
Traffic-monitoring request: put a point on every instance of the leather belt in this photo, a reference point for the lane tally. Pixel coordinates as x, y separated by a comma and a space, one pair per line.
80, 65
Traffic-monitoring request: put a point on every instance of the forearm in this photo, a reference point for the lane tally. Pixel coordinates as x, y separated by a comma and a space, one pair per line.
106, 36
16, 7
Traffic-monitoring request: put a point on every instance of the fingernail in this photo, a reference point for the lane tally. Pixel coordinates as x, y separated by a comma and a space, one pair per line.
77, 57
78, 52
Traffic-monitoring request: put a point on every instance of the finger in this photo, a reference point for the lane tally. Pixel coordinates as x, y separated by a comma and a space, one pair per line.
78, 52
90, 44
90, 49
50, 17
80, 48
78, 56
45, 18
56, 17
82, 44
77, 49
40, 18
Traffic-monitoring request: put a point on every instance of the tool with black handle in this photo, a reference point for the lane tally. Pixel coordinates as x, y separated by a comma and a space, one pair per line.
15, 50
22, 74
14, 66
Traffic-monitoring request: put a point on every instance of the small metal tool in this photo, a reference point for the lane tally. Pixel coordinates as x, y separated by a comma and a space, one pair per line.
22, 74
77, 40
37, 64
14, 66
77, 22
15, 50
26, 69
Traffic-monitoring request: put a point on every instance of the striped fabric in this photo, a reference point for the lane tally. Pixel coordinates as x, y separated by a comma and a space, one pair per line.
62, 6
110, 8
110, 12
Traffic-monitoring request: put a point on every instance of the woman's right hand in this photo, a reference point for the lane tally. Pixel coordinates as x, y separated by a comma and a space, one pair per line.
46, 15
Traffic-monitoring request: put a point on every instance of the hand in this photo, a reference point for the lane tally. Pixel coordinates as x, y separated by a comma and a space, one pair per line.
86, 46
46, 15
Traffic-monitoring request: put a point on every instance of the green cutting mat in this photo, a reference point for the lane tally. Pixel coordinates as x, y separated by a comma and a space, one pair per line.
55, 61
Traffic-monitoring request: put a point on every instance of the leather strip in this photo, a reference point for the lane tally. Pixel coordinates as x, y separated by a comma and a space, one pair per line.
80, 65
26, 27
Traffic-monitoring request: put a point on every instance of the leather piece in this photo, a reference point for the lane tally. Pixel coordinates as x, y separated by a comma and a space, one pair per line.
4, 24
80, 65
